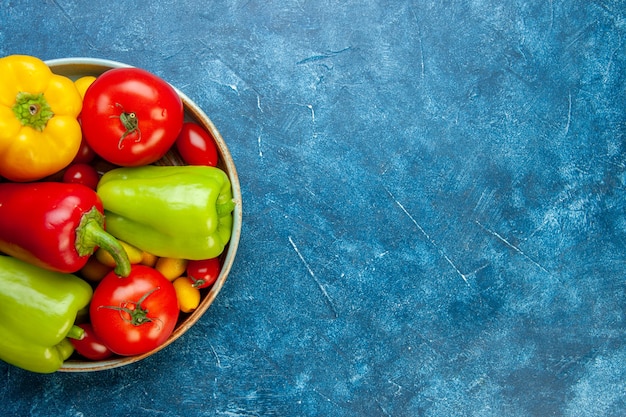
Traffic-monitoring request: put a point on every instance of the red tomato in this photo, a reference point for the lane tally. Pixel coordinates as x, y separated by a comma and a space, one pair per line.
136, 314
204, 273
90, 346
131, 117
196, 146
82, 174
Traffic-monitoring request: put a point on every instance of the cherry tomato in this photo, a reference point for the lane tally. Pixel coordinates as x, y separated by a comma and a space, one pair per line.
85, 154
94, 270
196, 146
131, 117
82, 174
90, 346
171, 268
83, 83
135, 314
188, 295
204, 273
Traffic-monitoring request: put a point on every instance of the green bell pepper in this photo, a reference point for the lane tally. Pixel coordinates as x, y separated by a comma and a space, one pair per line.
180, 212
37, 313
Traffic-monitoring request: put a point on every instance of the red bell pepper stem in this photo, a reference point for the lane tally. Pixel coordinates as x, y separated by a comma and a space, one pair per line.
90, 234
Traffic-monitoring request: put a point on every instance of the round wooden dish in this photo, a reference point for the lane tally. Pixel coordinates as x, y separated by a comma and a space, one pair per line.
75, 68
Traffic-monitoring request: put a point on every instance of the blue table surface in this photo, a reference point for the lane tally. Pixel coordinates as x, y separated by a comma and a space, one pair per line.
433, 201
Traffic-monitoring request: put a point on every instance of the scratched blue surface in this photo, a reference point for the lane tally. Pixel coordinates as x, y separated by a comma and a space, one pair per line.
434, 206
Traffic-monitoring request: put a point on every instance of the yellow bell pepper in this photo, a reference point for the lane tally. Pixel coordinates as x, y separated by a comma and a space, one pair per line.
39, 130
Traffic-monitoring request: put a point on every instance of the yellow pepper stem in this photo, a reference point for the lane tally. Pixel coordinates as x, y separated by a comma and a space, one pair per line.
32, 110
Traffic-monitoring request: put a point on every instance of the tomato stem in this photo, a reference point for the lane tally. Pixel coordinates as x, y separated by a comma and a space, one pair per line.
131, 125
197, 283
135, 313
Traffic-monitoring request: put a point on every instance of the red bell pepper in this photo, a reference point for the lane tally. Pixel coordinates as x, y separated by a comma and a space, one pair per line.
55, 225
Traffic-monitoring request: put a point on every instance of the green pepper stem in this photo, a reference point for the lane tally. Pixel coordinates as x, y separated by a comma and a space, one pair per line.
75, 333
224, 208
90, 234
65, 349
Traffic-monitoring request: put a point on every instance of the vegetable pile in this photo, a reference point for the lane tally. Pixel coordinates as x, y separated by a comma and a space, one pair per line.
105, 245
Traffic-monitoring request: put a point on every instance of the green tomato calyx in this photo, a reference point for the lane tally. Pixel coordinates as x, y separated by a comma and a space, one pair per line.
131, 125
132, 312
